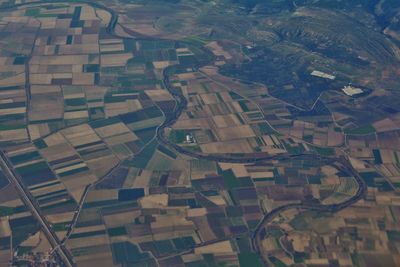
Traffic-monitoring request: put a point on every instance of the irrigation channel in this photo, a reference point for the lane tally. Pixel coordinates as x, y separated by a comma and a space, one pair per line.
171, 118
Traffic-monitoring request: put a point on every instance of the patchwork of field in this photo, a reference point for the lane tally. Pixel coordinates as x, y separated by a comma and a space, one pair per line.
311, 127
20, 233
143, 211
220, 120
76, 70
170, 225
334, 120
90, 103
81, 107
363, 235
18, 35
227, 117
56, 49
64, 66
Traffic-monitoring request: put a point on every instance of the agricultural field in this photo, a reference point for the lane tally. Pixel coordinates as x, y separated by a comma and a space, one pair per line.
150, 211
220, 120
199, 133
20, 232
363, 236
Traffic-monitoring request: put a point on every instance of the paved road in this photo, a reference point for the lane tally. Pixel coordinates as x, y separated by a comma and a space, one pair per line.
76, 215
110, 27
173, 117
31, 203
345, 167
256, 235
13, 176
170, 120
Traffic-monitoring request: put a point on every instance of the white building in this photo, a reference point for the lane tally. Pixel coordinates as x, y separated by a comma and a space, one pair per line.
189, 139
352, 91
321, 74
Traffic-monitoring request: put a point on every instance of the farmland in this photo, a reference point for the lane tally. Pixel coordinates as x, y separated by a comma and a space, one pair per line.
156, 133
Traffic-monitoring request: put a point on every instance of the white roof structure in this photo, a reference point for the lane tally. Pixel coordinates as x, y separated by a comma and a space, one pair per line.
321, 74
352, 91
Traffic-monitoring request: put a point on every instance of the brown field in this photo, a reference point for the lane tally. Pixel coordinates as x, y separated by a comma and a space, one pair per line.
235, 146
236, 132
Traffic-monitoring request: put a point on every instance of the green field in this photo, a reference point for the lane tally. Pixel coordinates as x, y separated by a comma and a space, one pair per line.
249, 259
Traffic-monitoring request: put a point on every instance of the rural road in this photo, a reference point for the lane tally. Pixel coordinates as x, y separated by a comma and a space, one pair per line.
13, 176
268, 217
31, 203
169, 121
346, 167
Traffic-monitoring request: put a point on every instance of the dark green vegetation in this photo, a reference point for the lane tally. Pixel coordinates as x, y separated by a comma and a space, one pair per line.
295, 43
35, 173
285, 42
249, 259
22, 228
128, 254
280, 43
